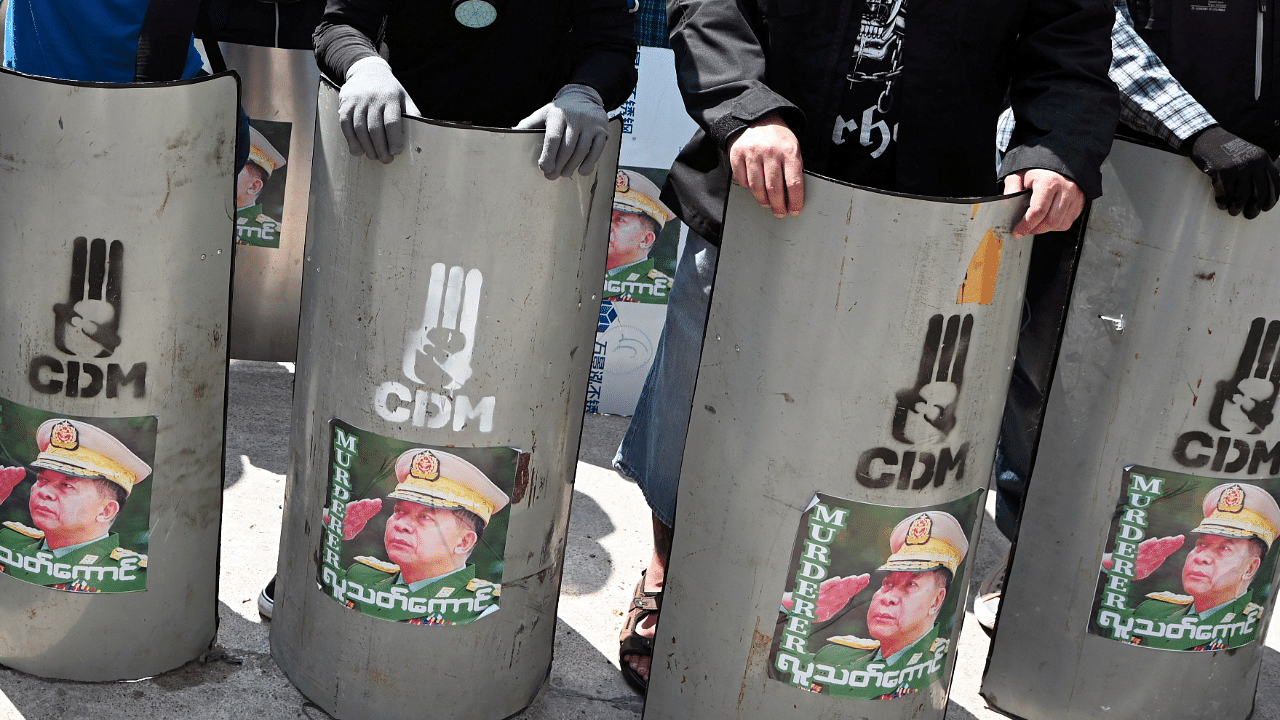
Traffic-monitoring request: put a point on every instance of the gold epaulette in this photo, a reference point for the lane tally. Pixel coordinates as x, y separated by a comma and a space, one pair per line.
1253, 609
477, 583
28, 531
122, 553
1173, 598
379, 565
856, 643
940, 644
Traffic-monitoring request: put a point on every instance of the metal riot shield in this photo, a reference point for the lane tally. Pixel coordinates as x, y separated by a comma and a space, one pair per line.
1150, 519
450, 306
271, 198
845, 417
115, 261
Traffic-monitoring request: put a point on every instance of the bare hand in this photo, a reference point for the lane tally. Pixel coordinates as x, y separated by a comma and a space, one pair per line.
1056, 202
358, 515
1152, 553
766, 160
833, 594
9, 479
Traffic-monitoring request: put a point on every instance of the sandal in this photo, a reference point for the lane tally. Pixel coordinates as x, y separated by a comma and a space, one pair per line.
643, 604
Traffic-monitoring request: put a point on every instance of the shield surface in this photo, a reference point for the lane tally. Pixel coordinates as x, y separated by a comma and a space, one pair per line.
450, 304
1159, 445
271, 223
115, 259
845, 416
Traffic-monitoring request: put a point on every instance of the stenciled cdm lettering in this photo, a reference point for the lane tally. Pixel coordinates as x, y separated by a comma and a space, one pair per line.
924, 417
1240, 433
437, 360
86, 330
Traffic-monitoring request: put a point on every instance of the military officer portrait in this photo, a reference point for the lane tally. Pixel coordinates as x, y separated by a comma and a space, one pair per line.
905, 650
442, 506
253, 225
1217, 608
83, 477
631, 273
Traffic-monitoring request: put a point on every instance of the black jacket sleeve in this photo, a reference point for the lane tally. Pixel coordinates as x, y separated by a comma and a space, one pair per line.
720, 67
346, 34
602, 48
1065, 104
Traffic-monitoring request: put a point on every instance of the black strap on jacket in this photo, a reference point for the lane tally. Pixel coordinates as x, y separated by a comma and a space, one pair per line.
166, 38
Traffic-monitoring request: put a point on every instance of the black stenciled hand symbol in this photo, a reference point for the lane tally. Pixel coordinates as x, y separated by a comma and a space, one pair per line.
438, 353
88, 323
1245, 404
926, 413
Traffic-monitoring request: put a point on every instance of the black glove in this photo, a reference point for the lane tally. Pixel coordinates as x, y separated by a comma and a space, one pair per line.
1244, 178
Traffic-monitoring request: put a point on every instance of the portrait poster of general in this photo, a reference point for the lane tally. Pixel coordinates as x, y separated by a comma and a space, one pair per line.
75, 499
644, 236
415, 533
261, 183
873, 597
1189, 562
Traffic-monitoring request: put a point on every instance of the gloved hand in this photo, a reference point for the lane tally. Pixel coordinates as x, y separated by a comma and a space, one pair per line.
576, 131
1244, 178
370, 106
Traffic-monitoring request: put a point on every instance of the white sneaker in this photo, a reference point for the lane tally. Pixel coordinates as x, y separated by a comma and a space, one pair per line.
267, 599
987, 604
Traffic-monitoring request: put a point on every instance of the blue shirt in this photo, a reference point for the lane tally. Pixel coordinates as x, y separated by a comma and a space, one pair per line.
90, 41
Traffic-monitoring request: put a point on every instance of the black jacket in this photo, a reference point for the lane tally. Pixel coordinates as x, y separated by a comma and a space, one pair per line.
493, 76
737, 61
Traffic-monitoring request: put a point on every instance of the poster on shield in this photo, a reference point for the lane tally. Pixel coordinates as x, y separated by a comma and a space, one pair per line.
75, 499
873, 597
412, 533
1190, 563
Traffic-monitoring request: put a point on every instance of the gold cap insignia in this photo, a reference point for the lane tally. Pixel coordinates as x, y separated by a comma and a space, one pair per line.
425, 466
64, 436
921, 530
1231, 500
623, 183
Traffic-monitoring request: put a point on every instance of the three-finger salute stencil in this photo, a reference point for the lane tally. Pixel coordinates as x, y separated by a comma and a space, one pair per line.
926, 413
438, 353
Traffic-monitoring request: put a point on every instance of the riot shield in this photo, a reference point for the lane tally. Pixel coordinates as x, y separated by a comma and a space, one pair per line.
115, 255
1159, 440
844, 422
450, 304
271, 213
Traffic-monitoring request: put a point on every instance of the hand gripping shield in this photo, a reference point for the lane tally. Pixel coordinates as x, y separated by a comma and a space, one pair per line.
1141, 583
450, 304
115, 262
845, 416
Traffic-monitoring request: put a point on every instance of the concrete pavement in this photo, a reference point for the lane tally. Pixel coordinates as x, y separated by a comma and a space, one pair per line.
608, 546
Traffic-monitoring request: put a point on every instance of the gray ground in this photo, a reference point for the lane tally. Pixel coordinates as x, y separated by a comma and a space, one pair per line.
608, 542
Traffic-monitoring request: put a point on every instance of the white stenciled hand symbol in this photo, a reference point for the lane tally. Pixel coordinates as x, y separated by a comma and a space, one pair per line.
440, 350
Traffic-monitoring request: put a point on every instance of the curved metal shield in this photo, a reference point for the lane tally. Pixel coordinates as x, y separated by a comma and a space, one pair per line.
844, 421
450, 307
1162, 402
115, 259
271, 223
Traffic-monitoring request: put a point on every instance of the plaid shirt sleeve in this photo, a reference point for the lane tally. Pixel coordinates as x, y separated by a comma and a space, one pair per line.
1150, 99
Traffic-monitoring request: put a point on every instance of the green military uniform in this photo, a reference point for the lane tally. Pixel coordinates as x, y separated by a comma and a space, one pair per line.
640, 282
254, 227
100, 566
1173, 617
869, 676
455, 599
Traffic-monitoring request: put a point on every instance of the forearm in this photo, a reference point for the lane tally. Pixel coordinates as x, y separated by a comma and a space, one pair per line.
346, 34
603, 50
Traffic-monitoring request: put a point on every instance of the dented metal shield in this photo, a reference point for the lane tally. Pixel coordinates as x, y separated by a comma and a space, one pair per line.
115, 260
852, 377
450, 303
1160, 428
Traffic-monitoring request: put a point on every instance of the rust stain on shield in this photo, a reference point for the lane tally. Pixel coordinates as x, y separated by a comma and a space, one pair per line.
979, 284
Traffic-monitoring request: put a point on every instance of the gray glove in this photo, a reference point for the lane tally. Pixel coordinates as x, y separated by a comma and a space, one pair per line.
576, 131
370, 106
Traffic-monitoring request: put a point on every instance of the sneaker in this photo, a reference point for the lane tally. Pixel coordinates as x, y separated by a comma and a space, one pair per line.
267, 599
987, 604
